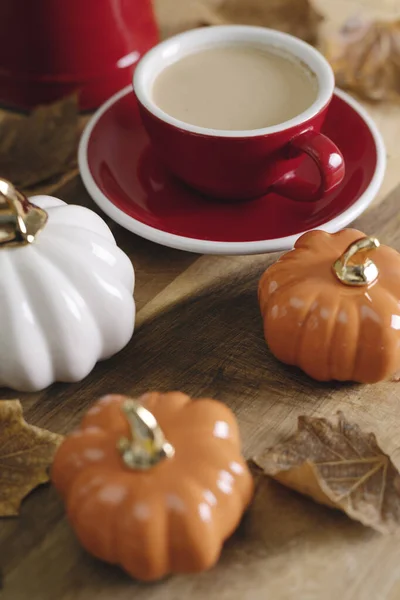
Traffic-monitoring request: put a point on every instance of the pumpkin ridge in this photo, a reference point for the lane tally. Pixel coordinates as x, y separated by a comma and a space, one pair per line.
167, 538
35, 300
55, 232
312, 240
115, 533
89, 501
207, 477
210, 535
339, 308
93, 310
86, 474
232, 523
391, 295
72, 504
46, 202
175, 417
381, 296
318, 237
7, 377
101, 225
284, 262
396, 302
121, 271
105, 413
237, 497
94, 326
297, 280
343, 306
102, 267
212, 451
197, 443
293, 255
124, 558
246, 497
185, 426
64, 469
303, 329
329, 361
357, 347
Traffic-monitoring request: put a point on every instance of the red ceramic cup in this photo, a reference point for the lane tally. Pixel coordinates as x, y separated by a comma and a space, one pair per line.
52, 48
242, 164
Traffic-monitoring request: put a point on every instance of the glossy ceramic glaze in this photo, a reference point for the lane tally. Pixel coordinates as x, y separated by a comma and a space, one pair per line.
133, 187
236, 165
328, 329
171, 518
66, 300
52, 48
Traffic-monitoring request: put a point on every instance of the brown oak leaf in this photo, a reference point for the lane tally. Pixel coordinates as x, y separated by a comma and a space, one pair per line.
365, 57
338, 465
26, 452
40, 147
298, 17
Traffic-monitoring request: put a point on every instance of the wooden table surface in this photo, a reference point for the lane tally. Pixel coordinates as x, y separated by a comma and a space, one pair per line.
199, 330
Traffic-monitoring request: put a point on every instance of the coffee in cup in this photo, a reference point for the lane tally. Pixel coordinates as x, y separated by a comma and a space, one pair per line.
237, 87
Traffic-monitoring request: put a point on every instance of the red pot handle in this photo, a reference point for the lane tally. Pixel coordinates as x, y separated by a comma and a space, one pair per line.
329, 161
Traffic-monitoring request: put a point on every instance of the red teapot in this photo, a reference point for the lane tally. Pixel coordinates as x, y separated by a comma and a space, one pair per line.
52, 48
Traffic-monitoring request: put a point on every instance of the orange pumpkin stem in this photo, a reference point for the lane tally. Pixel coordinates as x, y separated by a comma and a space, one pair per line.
354, 267
20, 221
147, 445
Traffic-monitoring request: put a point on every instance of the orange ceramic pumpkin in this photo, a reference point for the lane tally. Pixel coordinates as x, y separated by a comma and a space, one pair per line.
154, 485
331, 306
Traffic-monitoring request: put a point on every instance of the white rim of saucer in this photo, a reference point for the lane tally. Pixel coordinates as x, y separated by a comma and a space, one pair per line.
200, 246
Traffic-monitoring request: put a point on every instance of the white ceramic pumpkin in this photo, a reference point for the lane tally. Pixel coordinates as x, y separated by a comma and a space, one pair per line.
66, 293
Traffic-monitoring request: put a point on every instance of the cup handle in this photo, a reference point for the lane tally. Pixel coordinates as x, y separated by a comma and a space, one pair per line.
328, 159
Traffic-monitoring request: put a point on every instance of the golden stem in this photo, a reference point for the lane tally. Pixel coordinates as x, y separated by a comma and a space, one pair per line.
20, 221
147, 445
354, 267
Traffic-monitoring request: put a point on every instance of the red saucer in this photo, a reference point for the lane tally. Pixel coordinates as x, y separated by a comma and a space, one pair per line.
127, 181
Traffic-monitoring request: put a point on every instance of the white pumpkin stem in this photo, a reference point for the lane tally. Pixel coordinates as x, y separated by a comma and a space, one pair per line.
20, 220
147, 445
354, 267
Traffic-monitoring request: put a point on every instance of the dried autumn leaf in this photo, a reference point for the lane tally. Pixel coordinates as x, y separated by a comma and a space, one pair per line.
297, 17
365, 57
176, 16
40, 146
338, 465
26, 452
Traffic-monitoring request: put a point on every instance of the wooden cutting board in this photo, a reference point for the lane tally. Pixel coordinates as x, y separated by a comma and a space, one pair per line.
199, 330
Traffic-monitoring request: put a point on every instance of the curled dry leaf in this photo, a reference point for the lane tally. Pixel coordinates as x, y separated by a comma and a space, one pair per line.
365, 57
298, 17
26, 452
338, 465
41, 147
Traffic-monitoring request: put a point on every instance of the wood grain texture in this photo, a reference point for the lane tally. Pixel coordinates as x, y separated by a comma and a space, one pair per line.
199, 330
